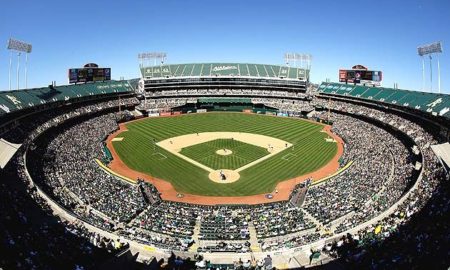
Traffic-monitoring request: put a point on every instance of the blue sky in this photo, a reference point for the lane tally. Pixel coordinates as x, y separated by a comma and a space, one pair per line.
383, 35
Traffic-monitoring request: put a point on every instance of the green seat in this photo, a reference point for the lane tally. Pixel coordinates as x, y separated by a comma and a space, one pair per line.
396, 97
206, 71
196, 71
293, 73
421, 99
384, 94
252, 70
440, 105
344, 89
284, 72
243, 70
276, 70
358, 91
370, 93
187, 70
8, 105
26, 99
270, 71
262, 71
328, 89
178, 70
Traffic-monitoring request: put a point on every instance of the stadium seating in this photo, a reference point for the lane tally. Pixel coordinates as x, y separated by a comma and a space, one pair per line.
382, 175
224, 70
436, 104
11, 101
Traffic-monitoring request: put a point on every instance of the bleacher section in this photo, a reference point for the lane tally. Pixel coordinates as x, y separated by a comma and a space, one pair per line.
224, 70
11, 101
436, 104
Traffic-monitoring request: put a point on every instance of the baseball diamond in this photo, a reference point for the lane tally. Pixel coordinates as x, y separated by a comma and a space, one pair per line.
300, 138
232, 153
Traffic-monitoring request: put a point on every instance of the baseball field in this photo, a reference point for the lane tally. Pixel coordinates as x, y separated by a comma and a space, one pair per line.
259, 150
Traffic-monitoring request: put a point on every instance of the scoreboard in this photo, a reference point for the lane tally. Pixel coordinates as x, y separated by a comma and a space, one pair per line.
360, 75
89, 74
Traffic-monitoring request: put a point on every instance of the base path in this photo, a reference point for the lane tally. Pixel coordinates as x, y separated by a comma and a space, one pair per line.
169, 193
175, 144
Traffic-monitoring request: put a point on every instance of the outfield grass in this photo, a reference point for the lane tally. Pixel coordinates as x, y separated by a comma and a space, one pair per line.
309, 152
242, 153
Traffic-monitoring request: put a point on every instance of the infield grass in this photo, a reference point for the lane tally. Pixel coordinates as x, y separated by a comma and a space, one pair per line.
242, 153
309, 152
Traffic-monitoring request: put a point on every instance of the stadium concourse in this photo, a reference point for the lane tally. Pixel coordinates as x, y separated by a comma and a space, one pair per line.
61, 209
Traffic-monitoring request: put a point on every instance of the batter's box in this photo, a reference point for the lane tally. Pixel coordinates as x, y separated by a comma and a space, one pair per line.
289, 156
160, 156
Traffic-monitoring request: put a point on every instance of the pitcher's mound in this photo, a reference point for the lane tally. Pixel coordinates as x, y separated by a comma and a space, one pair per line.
230, 176
224, 152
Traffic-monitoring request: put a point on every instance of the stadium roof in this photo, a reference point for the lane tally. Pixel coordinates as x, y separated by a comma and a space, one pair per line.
443, 152
11, 101
7, 151
436, 104
225, 70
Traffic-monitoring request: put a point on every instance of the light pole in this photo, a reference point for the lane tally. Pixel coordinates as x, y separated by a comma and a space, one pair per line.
19, 47
146, 57
304, 59
430, 49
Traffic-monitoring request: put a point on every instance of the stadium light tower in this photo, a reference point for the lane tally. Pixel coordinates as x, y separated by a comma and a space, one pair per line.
18, 47
295, 58
146, 58
430, 49
304, 59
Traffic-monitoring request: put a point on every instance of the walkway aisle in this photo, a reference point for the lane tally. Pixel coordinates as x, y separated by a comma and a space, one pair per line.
194, 247
313, 219
254, 245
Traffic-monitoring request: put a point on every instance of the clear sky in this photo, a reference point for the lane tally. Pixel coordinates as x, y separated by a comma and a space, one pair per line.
382, 35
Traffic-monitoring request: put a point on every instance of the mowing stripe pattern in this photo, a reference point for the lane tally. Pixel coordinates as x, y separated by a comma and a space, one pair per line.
242, 153
309, 152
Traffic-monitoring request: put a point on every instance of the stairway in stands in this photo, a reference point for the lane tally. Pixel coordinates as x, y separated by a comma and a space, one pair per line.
313, 219
254, 245
195, 235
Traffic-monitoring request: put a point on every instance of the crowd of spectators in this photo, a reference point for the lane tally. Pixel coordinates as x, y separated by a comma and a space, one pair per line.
277, 219
224, 224
69, 165
285, 105
225, 92
287, 242
285, 101
235, 247
359, 190
33, 238
27, 128
416, 233
372, 151
381, 174
168, 218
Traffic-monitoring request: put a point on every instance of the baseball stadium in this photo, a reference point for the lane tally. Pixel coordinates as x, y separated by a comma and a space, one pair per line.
224, 165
